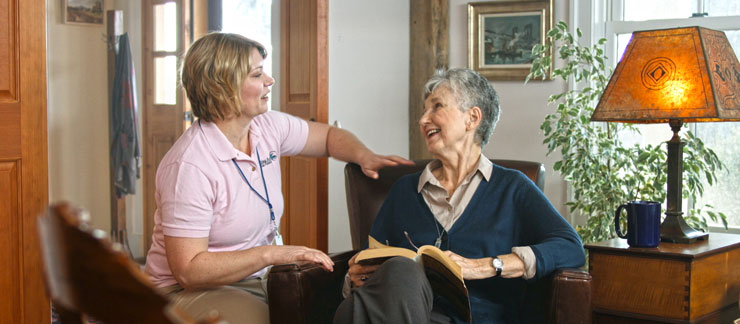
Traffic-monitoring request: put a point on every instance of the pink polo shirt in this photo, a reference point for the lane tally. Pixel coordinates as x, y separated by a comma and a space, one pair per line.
200, 192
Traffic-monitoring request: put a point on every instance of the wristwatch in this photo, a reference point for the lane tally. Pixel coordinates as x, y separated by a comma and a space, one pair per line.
498, 265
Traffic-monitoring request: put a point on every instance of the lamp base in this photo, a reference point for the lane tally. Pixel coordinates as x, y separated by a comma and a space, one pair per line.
675, 230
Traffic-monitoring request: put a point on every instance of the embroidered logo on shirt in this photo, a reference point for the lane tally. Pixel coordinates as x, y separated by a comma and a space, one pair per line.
273, 156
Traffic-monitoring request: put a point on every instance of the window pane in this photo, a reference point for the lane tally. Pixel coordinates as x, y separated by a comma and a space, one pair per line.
722, 8
723, 139
165, 27
734, 37
638, 10
165, 80
622, 41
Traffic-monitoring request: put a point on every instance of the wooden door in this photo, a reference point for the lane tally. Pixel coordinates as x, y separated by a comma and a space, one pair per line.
305, 93
24, 181
164, 40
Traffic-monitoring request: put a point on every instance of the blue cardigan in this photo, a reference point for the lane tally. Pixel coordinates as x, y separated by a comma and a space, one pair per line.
506, 212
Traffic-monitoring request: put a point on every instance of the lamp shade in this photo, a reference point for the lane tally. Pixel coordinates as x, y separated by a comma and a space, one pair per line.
690, 74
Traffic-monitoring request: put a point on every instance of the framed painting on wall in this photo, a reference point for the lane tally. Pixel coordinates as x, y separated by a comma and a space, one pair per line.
501, 36
84, 12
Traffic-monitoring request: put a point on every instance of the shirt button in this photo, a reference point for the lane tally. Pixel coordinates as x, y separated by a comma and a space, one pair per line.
253, 169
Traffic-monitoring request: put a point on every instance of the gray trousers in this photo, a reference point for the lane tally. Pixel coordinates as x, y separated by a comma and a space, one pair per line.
398, 292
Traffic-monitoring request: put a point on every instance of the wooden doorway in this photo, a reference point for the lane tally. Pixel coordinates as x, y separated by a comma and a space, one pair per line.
24, 165
167, 28
305, 93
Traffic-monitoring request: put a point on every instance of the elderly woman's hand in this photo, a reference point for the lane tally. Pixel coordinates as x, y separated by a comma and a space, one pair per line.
473, 268
371, 163
483, 268
359, 273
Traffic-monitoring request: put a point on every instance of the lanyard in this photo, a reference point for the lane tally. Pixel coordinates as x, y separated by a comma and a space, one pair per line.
266, 199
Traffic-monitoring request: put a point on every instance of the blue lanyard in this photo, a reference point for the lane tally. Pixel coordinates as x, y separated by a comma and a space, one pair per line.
267, 195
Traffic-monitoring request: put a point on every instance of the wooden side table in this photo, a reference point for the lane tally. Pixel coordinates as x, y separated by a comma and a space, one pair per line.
673, 283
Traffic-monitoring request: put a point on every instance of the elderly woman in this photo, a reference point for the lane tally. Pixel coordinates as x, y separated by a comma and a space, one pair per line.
494, 222
218, 196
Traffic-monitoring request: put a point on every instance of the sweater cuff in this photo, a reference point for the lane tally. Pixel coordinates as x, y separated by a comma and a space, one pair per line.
530, 261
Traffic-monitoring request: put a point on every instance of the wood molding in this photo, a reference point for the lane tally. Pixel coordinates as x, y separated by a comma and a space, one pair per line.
305, 93
430, 50
34, 171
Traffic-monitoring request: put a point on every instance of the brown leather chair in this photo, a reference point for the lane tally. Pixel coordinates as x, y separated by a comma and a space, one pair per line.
86, 275
317, 293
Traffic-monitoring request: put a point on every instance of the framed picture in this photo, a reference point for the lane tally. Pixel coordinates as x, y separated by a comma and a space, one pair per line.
501, 36
84, 12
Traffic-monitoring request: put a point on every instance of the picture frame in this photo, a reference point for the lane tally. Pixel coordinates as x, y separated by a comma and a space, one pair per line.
84, 12
501, 35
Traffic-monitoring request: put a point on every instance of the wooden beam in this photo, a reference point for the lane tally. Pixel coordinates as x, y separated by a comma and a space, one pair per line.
430, 50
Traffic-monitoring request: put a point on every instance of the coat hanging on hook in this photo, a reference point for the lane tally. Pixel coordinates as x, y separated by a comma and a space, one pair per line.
124, 132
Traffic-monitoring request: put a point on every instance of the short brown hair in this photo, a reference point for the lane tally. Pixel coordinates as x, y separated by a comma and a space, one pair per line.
213, 71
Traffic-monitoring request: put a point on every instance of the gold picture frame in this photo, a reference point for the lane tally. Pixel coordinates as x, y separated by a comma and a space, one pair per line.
501, 35
84, 12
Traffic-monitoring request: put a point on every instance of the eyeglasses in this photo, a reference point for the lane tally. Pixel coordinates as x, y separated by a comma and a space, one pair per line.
437, 242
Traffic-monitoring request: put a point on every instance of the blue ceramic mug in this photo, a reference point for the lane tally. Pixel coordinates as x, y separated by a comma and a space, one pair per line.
643, 223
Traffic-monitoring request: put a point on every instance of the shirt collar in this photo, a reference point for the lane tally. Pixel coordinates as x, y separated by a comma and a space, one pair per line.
485, 167
222, 148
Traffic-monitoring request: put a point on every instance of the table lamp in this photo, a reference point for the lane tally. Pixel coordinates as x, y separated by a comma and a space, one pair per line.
688, 74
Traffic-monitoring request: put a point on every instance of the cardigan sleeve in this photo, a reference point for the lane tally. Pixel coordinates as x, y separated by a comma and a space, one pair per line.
553, 240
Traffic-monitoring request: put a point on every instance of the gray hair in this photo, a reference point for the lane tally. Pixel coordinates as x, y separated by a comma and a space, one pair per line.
470, 89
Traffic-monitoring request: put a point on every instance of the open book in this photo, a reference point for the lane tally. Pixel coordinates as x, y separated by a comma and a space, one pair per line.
444, 275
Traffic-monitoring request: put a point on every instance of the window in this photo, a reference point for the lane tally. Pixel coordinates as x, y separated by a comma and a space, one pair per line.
165, 55
619, 18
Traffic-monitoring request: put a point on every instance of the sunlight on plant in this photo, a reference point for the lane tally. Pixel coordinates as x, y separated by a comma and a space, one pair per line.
603, 171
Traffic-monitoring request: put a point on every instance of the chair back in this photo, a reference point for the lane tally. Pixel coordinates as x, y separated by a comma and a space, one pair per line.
86, 274
365, 195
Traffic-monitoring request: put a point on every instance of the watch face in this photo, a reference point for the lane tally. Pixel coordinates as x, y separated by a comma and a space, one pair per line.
497, 263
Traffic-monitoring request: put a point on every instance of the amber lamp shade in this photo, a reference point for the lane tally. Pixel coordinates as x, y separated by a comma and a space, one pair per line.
673, 76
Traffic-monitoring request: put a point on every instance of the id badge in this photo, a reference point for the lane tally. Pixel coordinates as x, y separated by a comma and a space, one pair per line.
278, 239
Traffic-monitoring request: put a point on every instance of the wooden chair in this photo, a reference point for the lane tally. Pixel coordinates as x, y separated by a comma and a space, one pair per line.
87, 275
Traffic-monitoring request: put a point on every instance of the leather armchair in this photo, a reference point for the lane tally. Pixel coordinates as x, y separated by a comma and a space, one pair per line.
305, 293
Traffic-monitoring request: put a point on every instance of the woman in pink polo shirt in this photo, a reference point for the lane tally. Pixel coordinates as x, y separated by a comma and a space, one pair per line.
218, 196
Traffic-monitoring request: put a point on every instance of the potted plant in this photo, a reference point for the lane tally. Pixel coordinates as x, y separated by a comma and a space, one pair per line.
603, 171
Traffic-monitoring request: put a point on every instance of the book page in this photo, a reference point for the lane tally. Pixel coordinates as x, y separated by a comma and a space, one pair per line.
372, 243
440, 256
445, 283
378, 253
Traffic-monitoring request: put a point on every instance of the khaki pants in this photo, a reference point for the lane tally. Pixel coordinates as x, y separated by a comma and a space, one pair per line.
241, 302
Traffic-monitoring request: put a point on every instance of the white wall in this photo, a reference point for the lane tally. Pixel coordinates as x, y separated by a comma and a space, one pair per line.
78, 114
368, 89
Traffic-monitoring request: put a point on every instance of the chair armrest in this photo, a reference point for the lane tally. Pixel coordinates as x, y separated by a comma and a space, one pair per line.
570, 298
304, 293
